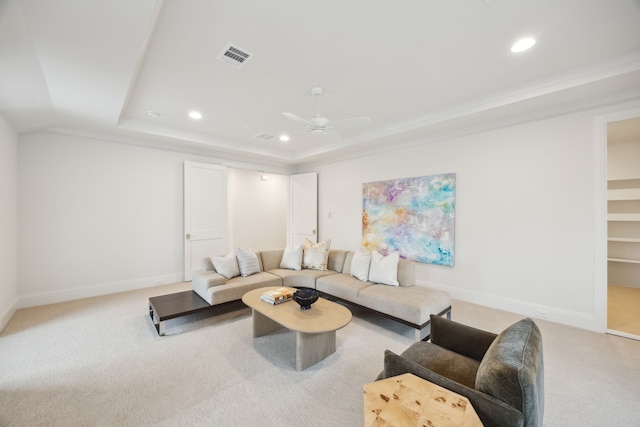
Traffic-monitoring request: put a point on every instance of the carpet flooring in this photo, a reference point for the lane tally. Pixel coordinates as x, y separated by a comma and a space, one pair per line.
99, 362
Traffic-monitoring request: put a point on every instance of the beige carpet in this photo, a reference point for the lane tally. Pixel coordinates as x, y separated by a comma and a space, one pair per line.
623, 311
99, 362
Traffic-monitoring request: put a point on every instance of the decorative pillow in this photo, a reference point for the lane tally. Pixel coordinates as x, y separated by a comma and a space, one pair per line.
292, 258
360, 265
226, 265
248, 262
384, 269
315, 256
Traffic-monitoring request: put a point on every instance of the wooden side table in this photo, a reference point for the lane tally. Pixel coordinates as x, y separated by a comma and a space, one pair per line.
407, 400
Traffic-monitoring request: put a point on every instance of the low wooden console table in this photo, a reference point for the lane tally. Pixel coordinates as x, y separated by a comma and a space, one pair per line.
407, 400
170, 306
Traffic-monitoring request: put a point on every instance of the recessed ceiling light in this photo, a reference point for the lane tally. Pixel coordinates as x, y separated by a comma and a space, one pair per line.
153, 114
284, 138
195, 115
523, 44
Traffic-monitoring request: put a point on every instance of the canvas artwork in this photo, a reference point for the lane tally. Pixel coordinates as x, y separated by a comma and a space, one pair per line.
414, 216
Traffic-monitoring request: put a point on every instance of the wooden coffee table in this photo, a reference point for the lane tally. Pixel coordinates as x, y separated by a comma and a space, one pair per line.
407, 400
315, 328
170, 306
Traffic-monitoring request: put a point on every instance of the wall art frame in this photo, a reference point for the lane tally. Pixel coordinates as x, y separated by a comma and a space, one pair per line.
413, 216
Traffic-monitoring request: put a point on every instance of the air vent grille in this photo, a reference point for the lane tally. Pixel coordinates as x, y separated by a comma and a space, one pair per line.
234, 55
265, 136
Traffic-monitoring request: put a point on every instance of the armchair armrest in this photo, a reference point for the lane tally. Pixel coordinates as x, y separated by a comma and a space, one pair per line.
459, 338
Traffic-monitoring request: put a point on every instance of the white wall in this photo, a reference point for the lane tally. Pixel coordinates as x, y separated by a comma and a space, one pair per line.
258, 209
524, 214
623, 160
100, 217
8, 222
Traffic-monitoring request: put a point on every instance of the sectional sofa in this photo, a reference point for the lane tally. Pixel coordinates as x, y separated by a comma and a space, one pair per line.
406, 303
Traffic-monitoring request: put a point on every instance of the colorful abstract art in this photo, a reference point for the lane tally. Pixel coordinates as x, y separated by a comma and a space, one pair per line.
413, 216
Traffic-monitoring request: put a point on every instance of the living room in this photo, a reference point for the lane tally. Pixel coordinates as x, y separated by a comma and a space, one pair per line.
87, 213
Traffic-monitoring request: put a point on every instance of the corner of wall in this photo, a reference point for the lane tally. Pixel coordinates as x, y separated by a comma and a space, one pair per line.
8, 315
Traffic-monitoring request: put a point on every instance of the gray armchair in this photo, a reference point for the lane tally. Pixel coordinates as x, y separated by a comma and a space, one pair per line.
501, 375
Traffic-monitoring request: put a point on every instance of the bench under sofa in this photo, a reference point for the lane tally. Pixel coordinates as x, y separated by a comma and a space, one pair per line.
408, 303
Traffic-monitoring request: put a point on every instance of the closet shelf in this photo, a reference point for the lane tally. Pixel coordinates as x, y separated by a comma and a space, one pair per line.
623, 239
623, 217
624, 194
628, 261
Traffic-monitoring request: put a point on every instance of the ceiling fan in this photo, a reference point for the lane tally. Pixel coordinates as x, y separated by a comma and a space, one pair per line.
319, 125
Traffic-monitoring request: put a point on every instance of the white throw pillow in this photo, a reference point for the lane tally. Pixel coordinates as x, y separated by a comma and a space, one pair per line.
226, 265
360, 265
292, 258
315, 256
248, 262
384, 269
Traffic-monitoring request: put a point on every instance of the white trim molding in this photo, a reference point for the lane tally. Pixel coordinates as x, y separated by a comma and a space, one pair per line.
63, 295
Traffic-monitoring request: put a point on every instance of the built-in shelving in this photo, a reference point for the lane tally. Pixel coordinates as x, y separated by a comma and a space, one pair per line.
623, 215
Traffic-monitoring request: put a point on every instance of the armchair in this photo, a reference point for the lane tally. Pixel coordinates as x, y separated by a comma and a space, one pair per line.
501, 375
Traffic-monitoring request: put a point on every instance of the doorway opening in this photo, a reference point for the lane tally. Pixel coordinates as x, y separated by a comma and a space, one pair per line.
623, 227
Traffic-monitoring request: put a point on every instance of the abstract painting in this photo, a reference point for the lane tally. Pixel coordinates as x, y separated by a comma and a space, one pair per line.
413, 216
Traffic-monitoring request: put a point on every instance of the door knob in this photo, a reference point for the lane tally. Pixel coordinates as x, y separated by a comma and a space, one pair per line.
188, 236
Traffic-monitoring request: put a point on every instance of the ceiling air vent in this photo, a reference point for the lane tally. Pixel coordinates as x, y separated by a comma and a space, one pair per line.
234, 55
265, 136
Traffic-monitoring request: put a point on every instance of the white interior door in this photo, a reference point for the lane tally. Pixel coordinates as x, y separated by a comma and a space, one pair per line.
205, 213
303, 208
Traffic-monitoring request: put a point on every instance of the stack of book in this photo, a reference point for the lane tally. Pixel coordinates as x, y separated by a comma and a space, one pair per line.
277, 296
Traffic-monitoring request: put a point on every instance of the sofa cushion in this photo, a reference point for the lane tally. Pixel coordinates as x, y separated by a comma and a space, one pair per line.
342, 285
512, 370
226, 265
292, 258
234, 288
271, 259
315, 255
248, 262
336, 259
413, 304
406, 272
360, 263
300, 278
384, 269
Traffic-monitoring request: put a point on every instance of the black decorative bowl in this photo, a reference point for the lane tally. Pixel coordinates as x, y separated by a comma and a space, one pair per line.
305, 297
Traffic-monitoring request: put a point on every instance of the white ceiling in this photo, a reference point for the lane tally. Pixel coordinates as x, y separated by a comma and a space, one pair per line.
420, 69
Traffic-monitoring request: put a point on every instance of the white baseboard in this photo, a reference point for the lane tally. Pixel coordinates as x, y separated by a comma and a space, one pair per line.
42, 298
6, 317
538, 311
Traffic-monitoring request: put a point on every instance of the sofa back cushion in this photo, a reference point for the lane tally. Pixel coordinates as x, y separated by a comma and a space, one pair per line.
271, 259
406, 272
512, 370
336, 259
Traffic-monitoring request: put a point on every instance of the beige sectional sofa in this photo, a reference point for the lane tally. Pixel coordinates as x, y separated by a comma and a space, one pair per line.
407, 303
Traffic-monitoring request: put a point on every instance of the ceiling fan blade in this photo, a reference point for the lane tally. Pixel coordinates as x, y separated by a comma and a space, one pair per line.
295, 118
355, 121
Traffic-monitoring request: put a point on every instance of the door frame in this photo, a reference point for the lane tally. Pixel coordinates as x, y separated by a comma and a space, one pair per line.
600, 214
187, 255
